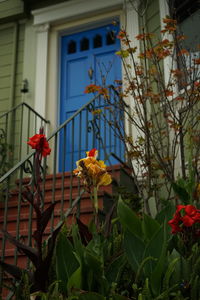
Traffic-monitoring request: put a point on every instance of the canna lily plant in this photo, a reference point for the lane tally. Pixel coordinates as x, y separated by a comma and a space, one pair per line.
93, 174
38, 277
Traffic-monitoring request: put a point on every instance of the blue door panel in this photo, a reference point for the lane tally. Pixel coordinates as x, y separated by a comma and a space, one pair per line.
93, 49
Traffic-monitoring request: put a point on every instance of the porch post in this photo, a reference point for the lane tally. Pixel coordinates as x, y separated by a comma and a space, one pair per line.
42, 37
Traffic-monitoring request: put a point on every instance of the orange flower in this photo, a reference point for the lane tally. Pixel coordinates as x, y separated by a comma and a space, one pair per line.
197, 61
91, 88
169, 93
144, 36
121, 34
182, 52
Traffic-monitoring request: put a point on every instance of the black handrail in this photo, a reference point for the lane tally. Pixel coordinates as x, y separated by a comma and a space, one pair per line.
29, 107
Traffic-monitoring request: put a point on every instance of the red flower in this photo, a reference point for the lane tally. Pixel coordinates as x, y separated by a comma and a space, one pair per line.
185, 215
39, 142
175, 222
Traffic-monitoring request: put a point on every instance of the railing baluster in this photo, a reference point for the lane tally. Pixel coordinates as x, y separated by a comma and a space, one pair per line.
54, 178
28, 130
80, 140
72, 163
44, 181
105, 130
63, 173
87, 129
116, 120
80, 135
99, 127
20, 134
110, 130
6, 130
7, 184
18, 210
35, 124
30, 219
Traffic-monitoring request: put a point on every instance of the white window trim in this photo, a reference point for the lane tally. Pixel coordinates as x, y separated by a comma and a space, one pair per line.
68, 10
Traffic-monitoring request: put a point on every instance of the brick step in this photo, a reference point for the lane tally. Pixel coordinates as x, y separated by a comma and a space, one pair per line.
85, 206
114, 171
84, 202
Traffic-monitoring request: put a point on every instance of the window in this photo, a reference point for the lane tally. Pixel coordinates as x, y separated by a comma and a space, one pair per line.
84, 44
110, 38
97, 42
71, 47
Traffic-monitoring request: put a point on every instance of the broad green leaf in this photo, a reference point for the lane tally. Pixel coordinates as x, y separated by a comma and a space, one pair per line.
150, 226
169, 272
122, 53
91, 296
119, 297
166, 213
134, 248
78, 246
66, 262
93, 262
129, 219
182, 193
75, 281
114, 269
157, 274
153, 249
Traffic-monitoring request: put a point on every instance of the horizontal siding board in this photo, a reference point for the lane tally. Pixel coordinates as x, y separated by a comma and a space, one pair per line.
5, 60
4, 105
11, 7
5, 71
5, 82
4, 93
8, 48
6, 37
152, 9
154, 25
6, 5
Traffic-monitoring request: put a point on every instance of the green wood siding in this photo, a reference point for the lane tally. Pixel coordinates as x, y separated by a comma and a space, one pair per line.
11, 7
11, 76
7, 78
6, 54
152, 17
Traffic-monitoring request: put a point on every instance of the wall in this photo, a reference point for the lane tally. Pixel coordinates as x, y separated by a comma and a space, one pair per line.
11, 76
10, 7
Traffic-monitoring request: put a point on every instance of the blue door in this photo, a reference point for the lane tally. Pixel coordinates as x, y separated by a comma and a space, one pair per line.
86, 57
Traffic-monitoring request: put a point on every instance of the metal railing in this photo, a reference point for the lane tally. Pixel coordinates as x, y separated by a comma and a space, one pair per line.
95, 125
16, 125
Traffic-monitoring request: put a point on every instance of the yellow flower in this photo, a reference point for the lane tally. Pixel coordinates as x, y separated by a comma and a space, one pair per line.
92, 171
105, 179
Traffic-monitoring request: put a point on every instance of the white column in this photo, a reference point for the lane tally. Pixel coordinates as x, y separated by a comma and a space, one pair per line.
41, 68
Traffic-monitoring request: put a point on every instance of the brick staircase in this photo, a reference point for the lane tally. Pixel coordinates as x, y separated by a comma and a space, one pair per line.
120, 175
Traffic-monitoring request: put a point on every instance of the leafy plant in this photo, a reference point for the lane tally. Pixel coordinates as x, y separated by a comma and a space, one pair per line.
38, 277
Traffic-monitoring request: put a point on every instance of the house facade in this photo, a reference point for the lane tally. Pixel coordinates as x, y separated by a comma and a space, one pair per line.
51, 50
36, 66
